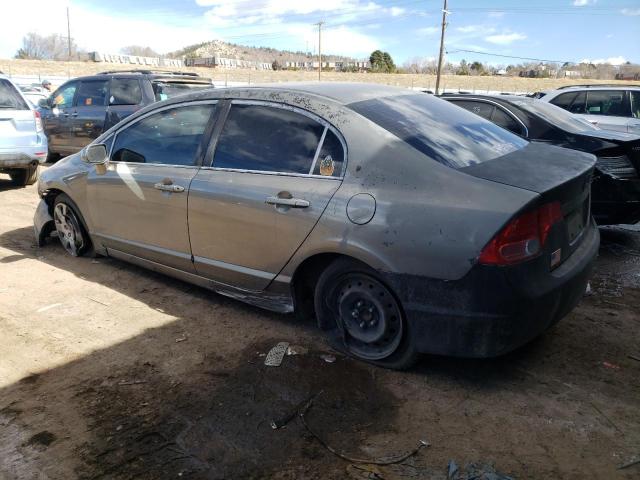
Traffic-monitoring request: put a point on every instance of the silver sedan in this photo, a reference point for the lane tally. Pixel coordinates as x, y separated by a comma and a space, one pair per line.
402, 223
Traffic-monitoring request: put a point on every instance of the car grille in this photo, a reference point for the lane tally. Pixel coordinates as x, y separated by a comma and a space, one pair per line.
618, 167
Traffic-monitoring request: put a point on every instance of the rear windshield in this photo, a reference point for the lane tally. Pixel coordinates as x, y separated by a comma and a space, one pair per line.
444, 132
555, 115
10, 98
165, 90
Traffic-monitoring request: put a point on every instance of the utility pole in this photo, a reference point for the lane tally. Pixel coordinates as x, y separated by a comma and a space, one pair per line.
68, 34
444, 26
319, 24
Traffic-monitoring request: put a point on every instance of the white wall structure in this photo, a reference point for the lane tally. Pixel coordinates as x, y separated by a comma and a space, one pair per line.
135, 60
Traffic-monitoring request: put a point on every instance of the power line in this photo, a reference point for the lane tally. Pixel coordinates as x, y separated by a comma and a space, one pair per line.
508, 56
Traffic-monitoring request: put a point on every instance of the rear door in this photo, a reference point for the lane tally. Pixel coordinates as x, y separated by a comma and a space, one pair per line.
88, 116
139, 206
274, 170
125, 98
608, 109
17, 124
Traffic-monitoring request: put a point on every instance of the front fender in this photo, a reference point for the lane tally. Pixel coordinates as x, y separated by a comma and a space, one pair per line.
43, 223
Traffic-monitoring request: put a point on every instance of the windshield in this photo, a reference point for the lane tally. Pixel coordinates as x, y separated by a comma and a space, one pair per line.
555, 115
166, 90
10, 98
443, 132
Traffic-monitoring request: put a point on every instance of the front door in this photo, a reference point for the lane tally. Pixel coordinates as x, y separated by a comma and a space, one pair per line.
88, 116
139, 206
57, 119
273, 173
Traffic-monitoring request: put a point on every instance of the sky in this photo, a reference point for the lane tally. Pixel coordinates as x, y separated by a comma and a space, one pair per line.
557, 30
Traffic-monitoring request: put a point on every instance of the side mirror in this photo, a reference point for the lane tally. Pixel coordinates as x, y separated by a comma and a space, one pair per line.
95, 154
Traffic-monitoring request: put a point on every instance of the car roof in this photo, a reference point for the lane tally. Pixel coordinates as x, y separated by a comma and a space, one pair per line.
341, 92
495, 98
572, 88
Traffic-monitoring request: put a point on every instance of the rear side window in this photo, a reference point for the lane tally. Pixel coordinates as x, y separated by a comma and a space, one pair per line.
479, 108
10, 98
265, 138
125, 91
166, 90
169, 137
441, 131
502, 118
606, 102
92, 94
330, 160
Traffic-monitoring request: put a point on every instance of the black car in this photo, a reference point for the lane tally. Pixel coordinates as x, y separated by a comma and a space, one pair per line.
81, 109
616, 182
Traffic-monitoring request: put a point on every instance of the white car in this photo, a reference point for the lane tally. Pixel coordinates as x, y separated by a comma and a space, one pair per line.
607, 106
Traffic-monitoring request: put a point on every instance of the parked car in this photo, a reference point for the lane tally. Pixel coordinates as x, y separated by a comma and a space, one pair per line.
23, 145
33, 93
403, 223
82, 108
612, 107
615, 196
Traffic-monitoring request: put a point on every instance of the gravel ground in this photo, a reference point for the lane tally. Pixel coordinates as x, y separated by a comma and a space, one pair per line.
109, 371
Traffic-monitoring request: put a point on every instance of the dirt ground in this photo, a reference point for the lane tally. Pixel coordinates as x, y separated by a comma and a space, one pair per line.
478, 84
108, 371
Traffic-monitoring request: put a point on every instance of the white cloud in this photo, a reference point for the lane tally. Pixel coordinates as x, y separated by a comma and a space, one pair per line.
471, 28
630, 12
395, 11
505, 38
619, 60
582, 3
341, 40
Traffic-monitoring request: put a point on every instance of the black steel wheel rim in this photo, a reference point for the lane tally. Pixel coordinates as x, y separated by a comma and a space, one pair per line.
68, 229
370, 316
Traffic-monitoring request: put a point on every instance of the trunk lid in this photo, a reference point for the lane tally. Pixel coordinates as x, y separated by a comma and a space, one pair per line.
557, 175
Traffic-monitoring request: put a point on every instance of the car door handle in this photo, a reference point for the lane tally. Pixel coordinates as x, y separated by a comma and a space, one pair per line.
168, 187
67, 114
288, 202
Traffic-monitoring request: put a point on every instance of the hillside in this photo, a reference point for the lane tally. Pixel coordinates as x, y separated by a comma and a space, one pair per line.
218, 48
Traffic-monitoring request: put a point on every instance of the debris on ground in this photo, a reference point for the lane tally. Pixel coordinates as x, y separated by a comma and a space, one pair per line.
630, 464
612, 366
276, 354
182, 338
634, 357
588, 291
474, 471
297, 350
373, 461
328, 358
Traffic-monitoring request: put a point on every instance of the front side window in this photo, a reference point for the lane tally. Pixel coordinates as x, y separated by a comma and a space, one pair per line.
441, 131
63, 97
125, 91
169, 137
606, 102
265, 138
92, 94
635, 103
10, 98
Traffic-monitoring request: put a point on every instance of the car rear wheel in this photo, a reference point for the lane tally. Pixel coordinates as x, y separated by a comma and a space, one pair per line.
366, 316
25, 176
72, 234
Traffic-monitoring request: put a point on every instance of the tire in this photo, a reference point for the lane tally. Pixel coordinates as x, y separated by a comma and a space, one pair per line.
362, 315
73, 236
25, 176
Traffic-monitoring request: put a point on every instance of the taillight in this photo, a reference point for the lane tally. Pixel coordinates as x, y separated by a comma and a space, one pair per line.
38, 120
523, 238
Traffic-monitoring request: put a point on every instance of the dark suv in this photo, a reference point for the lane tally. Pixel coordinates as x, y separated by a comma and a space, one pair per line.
82, 108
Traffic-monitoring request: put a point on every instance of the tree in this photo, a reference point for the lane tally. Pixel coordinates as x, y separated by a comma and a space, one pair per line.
463, 69
382, 62
139, 51
51, 47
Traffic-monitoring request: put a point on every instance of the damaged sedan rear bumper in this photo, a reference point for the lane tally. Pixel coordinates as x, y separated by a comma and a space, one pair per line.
494, 310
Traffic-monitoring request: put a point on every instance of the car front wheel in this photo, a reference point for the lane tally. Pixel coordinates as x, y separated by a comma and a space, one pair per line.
72, 234
364, 315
